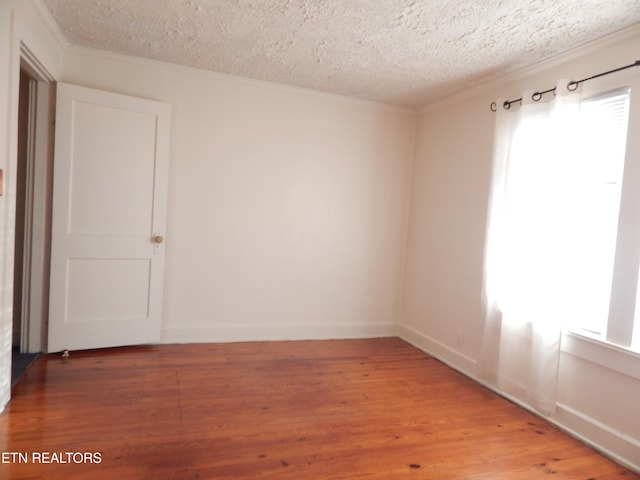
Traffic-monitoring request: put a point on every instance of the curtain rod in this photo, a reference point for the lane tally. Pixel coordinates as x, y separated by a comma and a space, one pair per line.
572, 86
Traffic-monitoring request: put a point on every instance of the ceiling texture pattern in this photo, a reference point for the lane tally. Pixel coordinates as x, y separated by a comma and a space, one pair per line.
406, 52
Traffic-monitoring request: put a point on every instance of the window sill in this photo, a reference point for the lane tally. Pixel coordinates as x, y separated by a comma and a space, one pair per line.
614, 357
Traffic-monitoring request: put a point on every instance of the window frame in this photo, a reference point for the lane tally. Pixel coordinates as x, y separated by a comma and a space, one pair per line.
625, 283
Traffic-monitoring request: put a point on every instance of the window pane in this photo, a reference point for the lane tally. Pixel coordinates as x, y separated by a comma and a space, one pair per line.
597, 191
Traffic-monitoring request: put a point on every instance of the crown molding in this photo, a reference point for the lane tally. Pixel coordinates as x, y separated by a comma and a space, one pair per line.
212, 74
537, 67
486, 85
44, 15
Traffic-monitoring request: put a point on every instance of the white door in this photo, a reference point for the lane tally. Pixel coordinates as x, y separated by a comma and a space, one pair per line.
109, 209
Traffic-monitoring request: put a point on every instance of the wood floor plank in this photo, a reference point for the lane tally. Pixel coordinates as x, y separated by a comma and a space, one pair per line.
313, 410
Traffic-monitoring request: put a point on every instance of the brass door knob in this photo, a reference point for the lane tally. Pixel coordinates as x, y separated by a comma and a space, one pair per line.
158, 239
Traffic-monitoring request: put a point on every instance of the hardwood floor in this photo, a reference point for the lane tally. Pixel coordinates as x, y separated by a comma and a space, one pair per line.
318, 410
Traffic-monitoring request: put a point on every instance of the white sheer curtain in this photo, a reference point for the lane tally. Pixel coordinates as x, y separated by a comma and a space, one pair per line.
530, 254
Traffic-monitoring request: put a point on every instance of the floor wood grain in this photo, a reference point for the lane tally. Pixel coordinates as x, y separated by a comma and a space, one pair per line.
313, 410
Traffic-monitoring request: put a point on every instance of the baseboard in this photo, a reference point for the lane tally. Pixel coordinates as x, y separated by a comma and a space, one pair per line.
442, 352
274, 332
617, 446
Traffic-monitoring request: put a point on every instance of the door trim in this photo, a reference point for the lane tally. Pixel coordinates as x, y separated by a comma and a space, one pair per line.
38, 199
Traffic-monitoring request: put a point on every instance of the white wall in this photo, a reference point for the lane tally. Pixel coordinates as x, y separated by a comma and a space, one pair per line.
288, 215
287, 208
599, 389
19, 23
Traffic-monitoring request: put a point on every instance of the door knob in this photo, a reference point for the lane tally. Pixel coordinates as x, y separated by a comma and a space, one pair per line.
158, 239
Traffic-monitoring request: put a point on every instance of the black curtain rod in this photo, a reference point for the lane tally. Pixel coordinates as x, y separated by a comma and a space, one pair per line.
572, 86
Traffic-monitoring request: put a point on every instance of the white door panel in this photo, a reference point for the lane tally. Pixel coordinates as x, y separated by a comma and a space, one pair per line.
110, 192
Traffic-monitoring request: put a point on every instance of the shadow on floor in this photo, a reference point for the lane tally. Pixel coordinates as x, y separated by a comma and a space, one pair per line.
19, 363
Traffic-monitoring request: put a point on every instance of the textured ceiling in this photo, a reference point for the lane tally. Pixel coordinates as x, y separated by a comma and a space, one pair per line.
407, 52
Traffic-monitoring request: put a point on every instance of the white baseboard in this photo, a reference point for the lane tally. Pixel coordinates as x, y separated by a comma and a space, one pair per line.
273, 332
616, 445
442, 352
613, 444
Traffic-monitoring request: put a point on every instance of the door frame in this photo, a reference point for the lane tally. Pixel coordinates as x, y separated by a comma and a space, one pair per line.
38, 200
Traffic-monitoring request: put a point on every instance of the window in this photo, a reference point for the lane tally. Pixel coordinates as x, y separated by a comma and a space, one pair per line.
564, 235
599, 223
